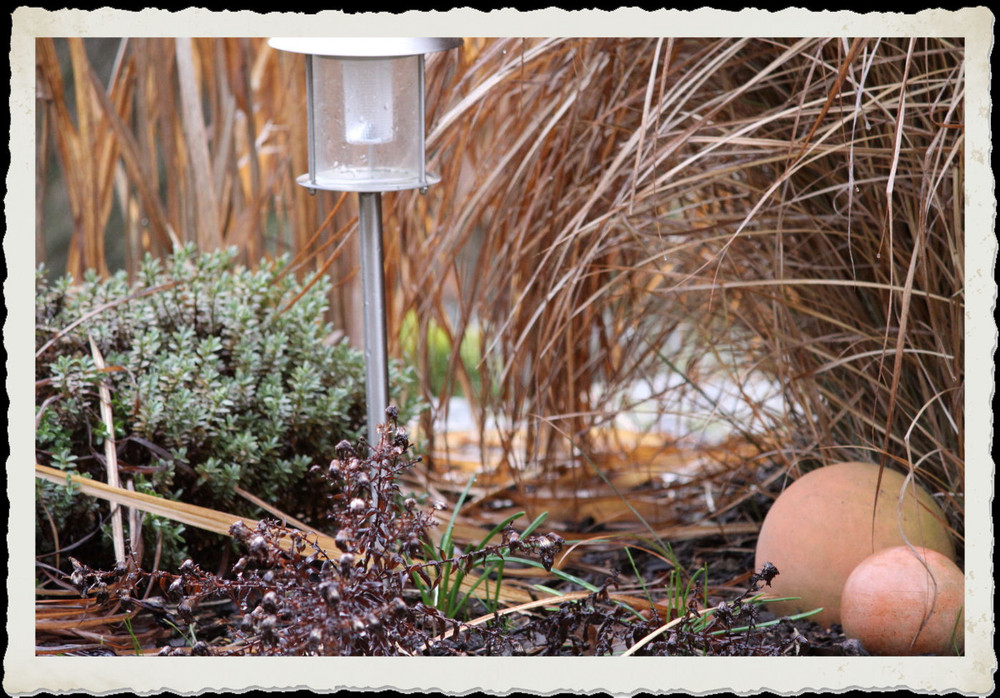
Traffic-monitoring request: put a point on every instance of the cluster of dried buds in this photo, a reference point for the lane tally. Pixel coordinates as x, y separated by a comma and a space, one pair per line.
546, 546
293, 597
300, 599
171, 600
296, 598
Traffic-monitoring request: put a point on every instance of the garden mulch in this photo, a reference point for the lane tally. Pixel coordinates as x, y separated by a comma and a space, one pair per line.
723, 565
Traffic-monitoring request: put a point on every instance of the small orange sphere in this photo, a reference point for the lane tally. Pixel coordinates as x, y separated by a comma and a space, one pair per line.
903, 601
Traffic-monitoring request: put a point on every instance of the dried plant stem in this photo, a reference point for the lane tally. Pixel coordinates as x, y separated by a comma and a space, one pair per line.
110, 455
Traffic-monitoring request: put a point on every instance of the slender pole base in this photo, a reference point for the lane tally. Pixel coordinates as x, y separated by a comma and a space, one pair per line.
373, 292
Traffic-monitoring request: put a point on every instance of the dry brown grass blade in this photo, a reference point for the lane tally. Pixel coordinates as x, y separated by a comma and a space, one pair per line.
220, 522
188, 514
307, 250
196, 143
285, 518
904, 316
87, 137
856, 45
138, 168
67, 137
341, 240
110, 454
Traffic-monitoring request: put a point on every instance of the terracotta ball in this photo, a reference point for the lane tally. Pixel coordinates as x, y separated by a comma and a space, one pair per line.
820, 528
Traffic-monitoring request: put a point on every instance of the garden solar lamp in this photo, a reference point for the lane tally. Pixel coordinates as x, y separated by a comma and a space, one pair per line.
365, 117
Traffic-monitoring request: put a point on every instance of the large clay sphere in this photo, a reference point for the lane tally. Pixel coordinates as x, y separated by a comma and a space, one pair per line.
820, 528
904, 602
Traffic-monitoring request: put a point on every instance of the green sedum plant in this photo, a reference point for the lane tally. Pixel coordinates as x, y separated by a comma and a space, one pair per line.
220, 377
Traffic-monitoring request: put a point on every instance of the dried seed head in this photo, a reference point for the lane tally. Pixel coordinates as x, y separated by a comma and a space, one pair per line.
346, 562
176, 587
268, 629
102, 592
78, 571
767, 573
330, 593
401, 440
358, 505
258, 545
344, 449
345, 539
270, 602
239, 531
399, 607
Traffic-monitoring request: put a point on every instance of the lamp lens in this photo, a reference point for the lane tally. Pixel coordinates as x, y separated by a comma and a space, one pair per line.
368, 101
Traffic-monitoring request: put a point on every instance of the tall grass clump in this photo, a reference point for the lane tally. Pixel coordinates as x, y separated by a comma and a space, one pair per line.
719, 211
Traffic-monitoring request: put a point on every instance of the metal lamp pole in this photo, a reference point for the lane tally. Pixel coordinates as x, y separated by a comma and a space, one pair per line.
373, 293
365, 112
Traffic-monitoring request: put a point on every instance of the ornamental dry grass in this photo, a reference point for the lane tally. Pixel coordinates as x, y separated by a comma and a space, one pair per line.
685, 216
620, 209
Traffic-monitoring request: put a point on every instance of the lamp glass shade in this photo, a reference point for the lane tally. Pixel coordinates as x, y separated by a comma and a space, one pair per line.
368, 123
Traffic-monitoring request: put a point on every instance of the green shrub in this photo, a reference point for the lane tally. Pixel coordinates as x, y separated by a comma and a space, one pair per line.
218, 380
